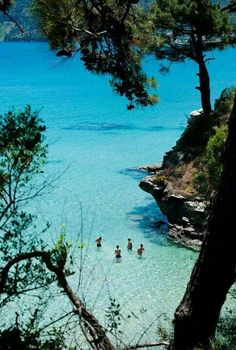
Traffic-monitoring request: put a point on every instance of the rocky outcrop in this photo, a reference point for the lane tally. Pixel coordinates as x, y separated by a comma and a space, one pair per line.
186, 214
176, 183
171, 183
152, 168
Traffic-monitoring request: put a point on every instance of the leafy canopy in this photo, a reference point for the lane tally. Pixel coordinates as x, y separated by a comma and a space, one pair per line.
5, 5
22, 156
189, 27
28, 266
107, 34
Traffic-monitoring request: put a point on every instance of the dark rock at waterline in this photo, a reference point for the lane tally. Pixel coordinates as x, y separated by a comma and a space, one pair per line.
187, 237
152, 168
172, 186
161, 223
186, 214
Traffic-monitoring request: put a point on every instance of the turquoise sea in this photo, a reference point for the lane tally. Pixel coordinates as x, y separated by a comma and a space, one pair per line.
94, 141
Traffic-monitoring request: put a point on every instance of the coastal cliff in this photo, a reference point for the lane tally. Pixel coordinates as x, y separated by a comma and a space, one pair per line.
185, 212
187, 180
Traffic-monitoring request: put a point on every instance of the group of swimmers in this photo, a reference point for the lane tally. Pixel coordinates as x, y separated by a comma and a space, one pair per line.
140, 250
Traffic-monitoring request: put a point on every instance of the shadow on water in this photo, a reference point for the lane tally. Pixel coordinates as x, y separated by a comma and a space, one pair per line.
99, 127
150, 220
109, 127
55, 161
135, 173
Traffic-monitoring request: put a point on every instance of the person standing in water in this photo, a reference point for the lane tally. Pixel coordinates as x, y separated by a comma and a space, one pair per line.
129, 244
140, 250
118, 252
99, 242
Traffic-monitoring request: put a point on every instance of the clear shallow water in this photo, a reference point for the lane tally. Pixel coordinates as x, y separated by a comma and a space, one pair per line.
94, 137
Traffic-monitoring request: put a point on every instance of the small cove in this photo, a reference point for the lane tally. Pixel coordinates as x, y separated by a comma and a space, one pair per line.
94, 141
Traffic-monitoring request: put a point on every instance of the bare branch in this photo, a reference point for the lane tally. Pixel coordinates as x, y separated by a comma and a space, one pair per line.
80, 30
4, 272
230, 8
55, 321
148, 345
92, 330
128, 7
209, 59
15, 22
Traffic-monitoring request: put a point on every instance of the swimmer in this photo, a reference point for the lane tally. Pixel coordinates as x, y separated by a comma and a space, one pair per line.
140, 250
118, 252
129, 244
99, 242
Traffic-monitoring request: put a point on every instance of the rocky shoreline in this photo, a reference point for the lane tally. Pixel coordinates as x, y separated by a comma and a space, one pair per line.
186, 213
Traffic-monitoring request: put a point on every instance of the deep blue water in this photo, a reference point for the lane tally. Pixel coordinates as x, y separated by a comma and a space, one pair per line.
94, 141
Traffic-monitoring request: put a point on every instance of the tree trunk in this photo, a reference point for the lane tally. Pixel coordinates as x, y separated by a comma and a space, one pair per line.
204, 88
214, 272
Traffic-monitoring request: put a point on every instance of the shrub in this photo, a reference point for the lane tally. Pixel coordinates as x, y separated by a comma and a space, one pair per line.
159, 180
223, 105
206, 181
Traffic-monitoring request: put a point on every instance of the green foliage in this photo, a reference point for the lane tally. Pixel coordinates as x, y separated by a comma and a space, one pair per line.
226, 328
22, 156
163, 329
183, 25
107, 35
187, 29
61, 252
223, 105
23, 272
21, 152
31, 329
159, 180
206, 181
195, 137
29, 338
113, 316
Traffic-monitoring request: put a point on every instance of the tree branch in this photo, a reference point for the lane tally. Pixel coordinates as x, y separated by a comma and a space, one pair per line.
92, 330
14, 21
128, 7
80, 30
230, 8
148, 345
24, 256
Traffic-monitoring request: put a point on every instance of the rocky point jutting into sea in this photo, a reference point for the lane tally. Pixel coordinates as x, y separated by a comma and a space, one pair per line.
173, 183
185, 212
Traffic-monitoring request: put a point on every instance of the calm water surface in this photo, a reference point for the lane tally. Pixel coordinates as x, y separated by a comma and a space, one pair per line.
94, 141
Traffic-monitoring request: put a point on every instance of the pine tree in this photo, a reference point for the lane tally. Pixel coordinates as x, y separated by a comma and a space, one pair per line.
105, 34
189, 29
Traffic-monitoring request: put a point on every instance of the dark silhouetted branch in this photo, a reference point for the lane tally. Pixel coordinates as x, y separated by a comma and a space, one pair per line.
148, 345
15, 22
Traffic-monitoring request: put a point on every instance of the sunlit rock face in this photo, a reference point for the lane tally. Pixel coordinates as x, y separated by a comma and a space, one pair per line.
186, 213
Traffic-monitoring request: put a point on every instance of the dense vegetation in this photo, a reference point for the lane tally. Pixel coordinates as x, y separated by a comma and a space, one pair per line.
194, 165
21, 12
